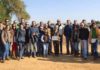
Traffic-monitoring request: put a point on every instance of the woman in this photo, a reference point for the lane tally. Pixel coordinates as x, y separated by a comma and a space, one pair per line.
6, 42
21, 40
14, 44
45, 40
84, 36
56, 39
47, 28
75, 40
94, 40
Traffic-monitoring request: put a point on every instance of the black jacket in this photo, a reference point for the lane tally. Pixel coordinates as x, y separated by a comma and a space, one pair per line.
83, 33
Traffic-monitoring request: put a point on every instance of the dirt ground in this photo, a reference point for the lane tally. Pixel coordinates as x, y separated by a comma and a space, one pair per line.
63, 62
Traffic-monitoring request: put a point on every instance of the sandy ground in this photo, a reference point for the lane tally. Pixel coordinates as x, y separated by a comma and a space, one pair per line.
52, 63
63, 62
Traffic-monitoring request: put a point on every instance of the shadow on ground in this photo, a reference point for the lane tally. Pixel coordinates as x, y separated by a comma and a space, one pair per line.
70, 59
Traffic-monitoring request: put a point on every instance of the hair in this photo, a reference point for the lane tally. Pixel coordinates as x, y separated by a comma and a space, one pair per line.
91, 26
0, 22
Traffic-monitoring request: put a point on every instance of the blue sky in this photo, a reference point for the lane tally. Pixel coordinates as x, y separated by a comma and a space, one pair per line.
63, 9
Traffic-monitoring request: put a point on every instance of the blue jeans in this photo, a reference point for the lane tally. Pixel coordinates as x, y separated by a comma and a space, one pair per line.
69, 45
94, 46
76, 48
84, 44
40, 47
6, 50
21, 49
45, 49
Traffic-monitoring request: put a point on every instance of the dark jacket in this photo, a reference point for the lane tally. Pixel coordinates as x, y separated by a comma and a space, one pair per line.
83, 33
27, 36
68, 31
21, 35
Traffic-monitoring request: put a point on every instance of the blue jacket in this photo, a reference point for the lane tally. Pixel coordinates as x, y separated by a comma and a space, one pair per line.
68, 31
33, 30
21, 35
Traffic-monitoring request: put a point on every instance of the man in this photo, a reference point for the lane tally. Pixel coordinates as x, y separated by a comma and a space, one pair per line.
67, 33
27, 39
22, 21
33, 33
1, 43
61, 30
40, 43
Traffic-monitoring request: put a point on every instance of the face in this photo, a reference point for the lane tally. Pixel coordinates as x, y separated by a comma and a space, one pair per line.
46, 26
33, 23
22, 20
7, 21
68, 22
81, 25
14, 26
27, 25
94, 25
59, 22
75, 22
84, 21
92, 21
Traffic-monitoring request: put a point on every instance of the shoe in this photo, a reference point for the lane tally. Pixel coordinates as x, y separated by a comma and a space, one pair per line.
22, 58
3, 61
85, 58
8, 58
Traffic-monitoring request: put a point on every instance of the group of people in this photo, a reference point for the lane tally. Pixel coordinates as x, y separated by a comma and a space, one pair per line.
19, 40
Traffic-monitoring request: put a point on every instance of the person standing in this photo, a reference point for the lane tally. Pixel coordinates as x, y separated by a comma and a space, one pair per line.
67, 33
6, 42
61, 30
21, 40
40, 44
27, 40
49, 28
45, 40
56, 40
75, 40
14, 44
34, 32
94, 40
1, 43
84, 36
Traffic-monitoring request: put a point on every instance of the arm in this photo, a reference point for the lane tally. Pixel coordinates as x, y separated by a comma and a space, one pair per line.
42, 38
4, 42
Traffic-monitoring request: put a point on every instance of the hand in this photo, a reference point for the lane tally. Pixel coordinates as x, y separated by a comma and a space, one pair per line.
33, 34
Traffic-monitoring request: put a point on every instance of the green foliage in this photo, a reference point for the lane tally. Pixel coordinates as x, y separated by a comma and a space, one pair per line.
97, 22
13, 7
